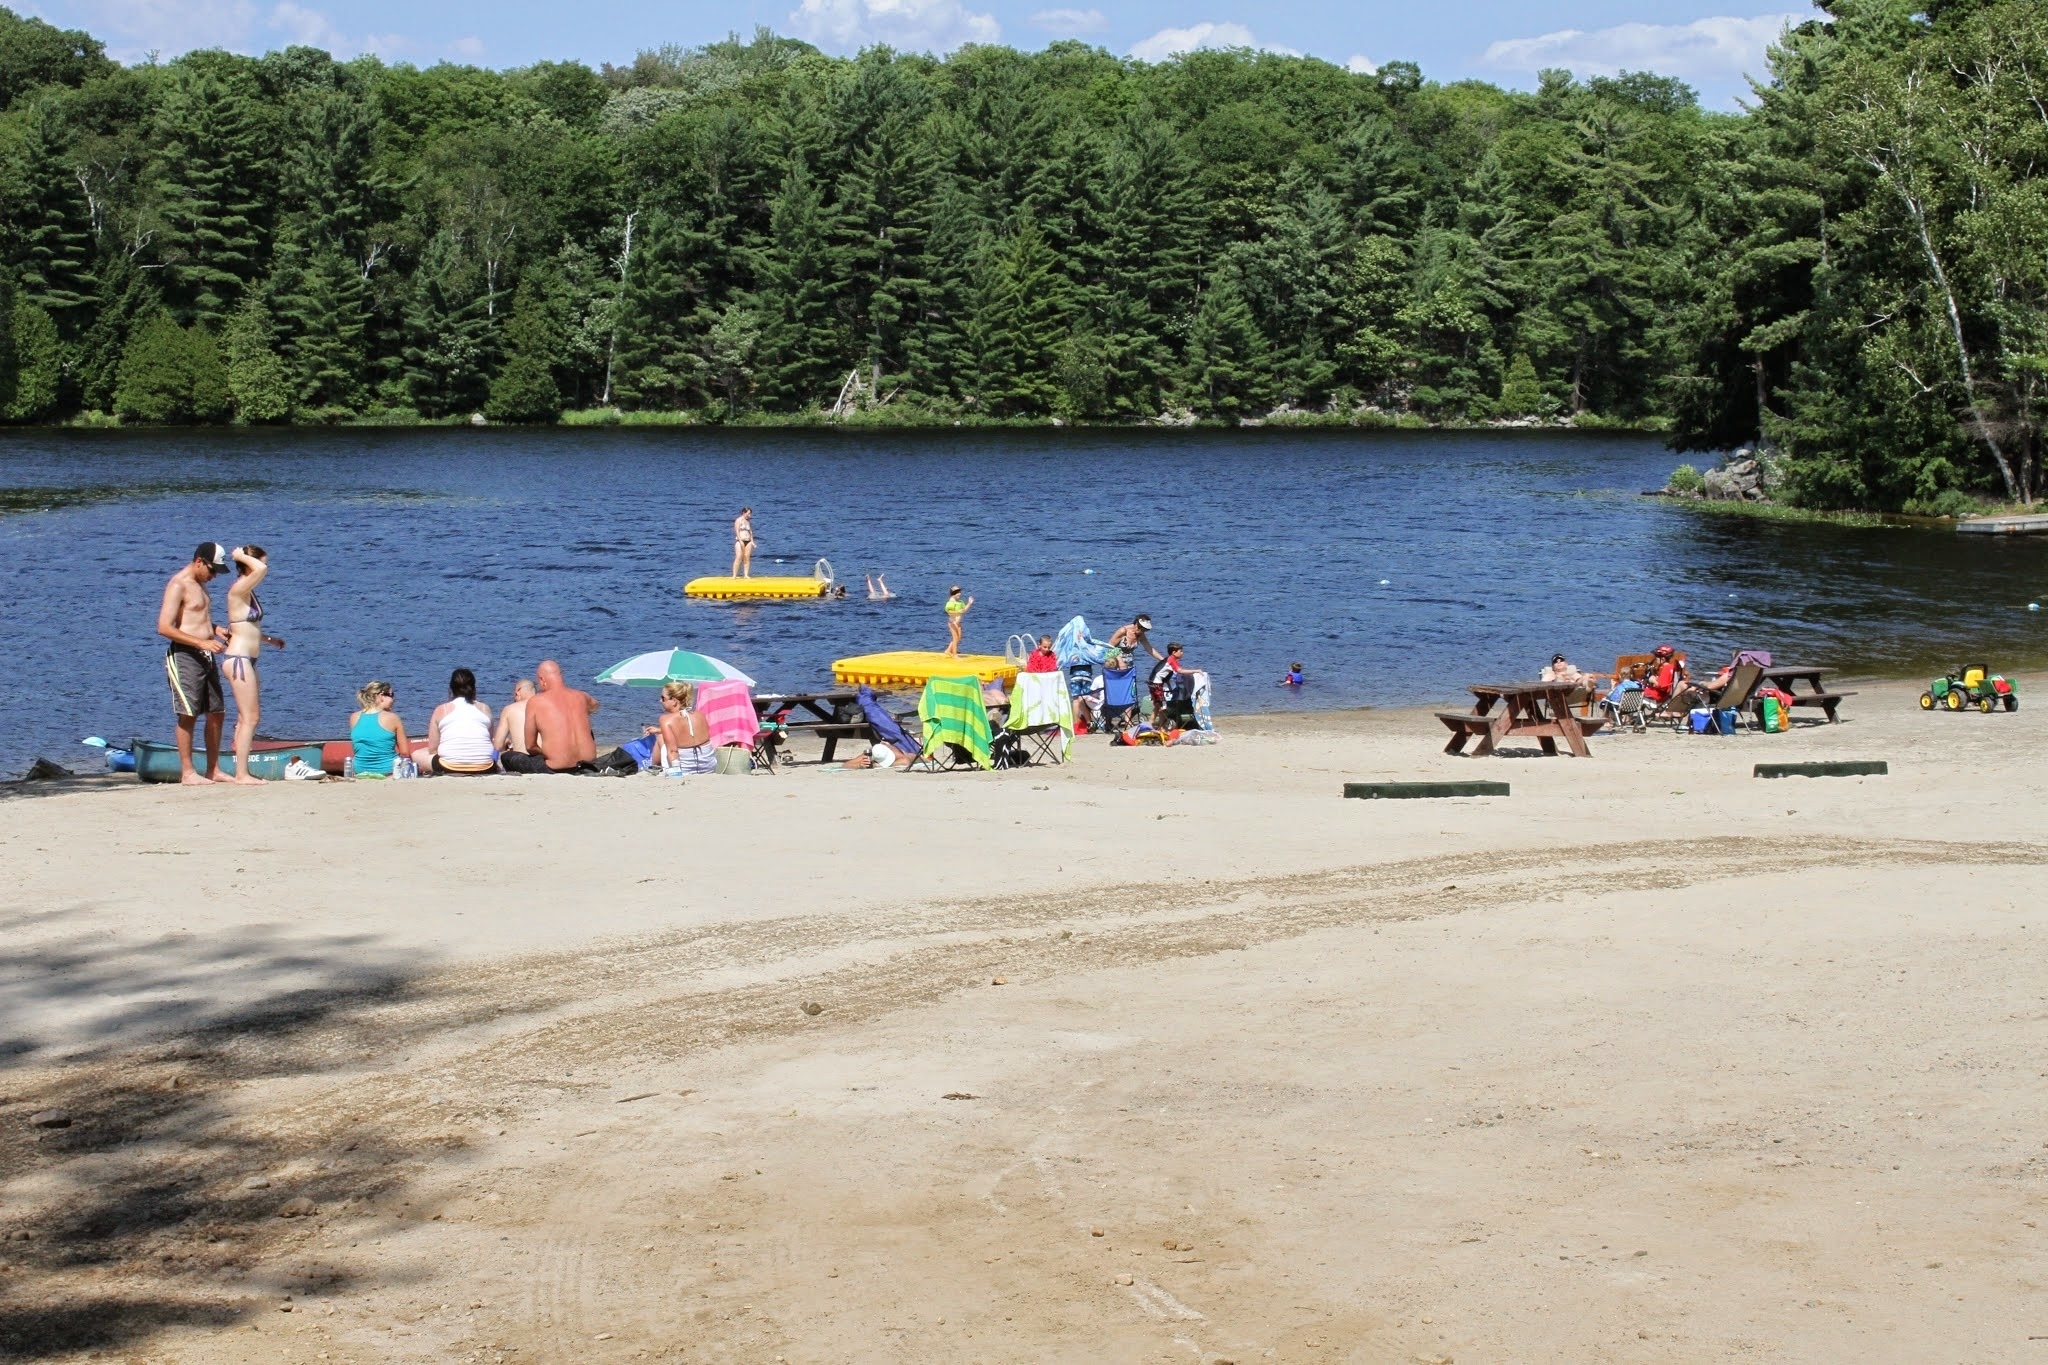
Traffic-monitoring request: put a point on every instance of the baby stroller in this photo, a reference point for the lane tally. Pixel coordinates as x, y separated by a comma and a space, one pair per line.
1177, 702
1626, 707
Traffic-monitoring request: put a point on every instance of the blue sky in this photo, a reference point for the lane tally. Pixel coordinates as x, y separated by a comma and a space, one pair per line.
1710, 43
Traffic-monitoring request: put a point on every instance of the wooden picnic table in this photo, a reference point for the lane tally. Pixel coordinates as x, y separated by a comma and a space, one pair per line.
1787, 677
811, 713
1541, 711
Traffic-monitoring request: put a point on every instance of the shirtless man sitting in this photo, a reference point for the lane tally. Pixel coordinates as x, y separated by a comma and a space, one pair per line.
510, 736
186, 620
557, 727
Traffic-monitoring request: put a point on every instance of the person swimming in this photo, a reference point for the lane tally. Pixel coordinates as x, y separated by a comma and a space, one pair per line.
878, 588
1293, 678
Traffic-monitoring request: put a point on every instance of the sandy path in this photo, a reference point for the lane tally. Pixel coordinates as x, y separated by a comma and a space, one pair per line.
1395, 1080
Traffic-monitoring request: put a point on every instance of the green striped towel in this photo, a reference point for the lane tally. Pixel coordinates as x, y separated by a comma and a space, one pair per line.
951, 712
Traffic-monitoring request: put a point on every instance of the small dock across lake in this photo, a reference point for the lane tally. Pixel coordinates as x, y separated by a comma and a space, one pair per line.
2004, 526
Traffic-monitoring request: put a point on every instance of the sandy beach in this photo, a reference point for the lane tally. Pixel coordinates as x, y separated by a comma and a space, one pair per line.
1159, 1056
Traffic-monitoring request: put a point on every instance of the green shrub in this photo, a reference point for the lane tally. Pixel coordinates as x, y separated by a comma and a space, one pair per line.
1686, 481
1950, 502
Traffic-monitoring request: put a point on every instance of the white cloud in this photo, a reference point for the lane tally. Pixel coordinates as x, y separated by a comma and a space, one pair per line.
136, 28
915, 25
1169, 41
169, 26
307, 27
1070, 21
1361, 65
1716, 49
469, 49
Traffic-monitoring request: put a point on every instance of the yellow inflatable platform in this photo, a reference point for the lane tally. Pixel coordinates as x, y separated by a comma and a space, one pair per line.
916, 667
756, 589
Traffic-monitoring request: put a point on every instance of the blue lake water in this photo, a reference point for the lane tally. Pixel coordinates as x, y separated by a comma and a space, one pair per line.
1396, 566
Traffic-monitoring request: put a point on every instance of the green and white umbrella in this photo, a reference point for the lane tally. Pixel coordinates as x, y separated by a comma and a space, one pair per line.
671, 665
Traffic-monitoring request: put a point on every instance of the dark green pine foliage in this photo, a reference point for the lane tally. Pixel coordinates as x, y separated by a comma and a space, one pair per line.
1146, 276
663, 316
34, 53
10, 361
171, 374
1295, 278
128, 297
451, 343
883, 210
805, 347
210, 177
259, 385
1228, 370
38, 365
1018, 323
525, 389
319, 300
53, 244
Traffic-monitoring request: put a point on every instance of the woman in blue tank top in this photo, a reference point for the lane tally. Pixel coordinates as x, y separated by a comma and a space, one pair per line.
376, 732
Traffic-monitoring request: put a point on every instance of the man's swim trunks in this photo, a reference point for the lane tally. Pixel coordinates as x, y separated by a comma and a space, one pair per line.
195, 681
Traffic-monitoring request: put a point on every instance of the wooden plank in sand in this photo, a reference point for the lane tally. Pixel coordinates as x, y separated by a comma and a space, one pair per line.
1411, 791
1839, 768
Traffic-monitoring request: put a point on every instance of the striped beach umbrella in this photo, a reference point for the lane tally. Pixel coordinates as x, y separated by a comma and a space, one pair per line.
671, 665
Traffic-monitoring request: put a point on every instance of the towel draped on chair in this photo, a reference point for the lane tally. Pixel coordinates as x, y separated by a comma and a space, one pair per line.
728, 709
1042, 699
952, 712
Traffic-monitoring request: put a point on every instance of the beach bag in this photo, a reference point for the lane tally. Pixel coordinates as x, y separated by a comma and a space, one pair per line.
1775, 720
1724, 721
734, 760
1007, 751
640, 750
1699, 720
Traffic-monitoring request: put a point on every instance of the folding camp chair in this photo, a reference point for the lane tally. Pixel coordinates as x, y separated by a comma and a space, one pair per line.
1042, 717
955, 724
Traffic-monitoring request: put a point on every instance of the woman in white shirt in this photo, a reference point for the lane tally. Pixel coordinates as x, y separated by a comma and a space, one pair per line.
459, 735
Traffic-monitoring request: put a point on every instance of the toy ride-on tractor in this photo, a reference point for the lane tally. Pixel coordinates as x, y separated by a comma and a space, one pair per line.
1973, 686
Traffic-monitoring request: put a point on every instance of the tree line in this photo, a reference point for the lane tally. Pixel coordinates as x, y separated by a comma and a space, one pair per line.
1853, 271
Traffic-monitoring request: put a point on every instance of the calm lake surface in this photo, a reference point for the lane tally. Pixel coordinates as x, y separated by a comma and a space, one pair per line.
1396, 567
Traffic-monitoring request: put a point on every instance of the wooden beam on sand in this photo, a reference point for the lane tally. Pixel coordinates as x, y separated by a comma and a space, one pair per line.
1839, 768
1410, 791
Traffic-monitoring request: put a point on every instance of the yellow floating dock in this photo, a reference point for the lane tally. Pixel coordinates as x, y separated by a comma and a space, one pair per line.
757, 589
916, 667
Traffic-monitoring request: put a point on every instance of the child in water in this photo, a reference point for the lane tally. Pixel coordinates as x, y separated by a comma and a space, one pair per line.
1293, 678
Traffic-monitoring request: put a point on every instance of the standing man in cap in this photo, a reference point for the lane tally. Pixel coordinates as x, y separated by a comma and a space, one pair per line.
186, 620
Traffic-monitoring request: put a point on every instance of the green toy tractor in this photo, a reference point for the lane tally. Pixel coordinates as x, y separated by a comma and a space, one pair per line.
1974, 686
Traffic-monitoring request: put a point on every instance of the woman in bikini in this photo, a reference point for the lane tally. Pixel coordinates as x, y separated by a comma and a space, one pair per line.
743, 543
683, 739
245, 640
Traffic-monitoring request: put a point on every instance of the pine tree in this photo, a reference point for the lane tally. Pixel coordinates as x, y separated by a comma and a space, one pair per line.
209, 177
54, 230
663, 317
1019, 324
1227, 372
128, 299
320, 307
1521, 392
38, 365
259, 385
525, 389
171, 374
729, 352
451, 347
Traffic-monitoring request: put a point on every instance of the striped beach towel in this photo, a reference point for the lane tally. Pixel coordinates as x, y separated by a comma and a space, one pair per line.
952, 713
1043, 699
729, 710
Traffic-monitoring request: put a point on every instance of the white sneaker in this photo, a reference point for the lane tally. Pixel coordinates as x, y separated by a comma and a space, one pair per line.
298, 770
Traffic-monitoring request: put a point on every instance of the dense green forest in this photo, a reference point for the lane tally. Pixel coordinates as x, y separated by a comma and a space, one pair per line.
1855, 270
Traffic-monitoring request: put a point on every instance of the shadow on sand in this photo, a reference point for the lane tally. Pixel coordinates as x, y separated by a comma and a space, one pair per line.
153, 1201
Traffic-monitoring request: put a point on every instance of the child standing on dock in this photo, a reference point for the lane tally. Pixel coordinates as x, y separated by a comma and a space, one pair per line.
956, 607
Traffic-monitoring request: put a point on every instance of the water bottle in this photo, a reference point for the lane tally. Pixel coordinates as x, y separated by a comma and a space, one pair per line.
348, 768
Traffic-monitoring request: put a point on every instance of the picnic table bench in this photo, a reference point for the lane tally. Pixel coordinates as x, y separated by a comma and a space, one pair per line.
1541, 711
808, 713
1787, 678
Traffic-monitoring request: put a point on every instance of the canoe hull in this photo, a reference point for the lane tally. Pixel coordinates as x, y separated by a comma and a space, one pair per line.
268, 758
